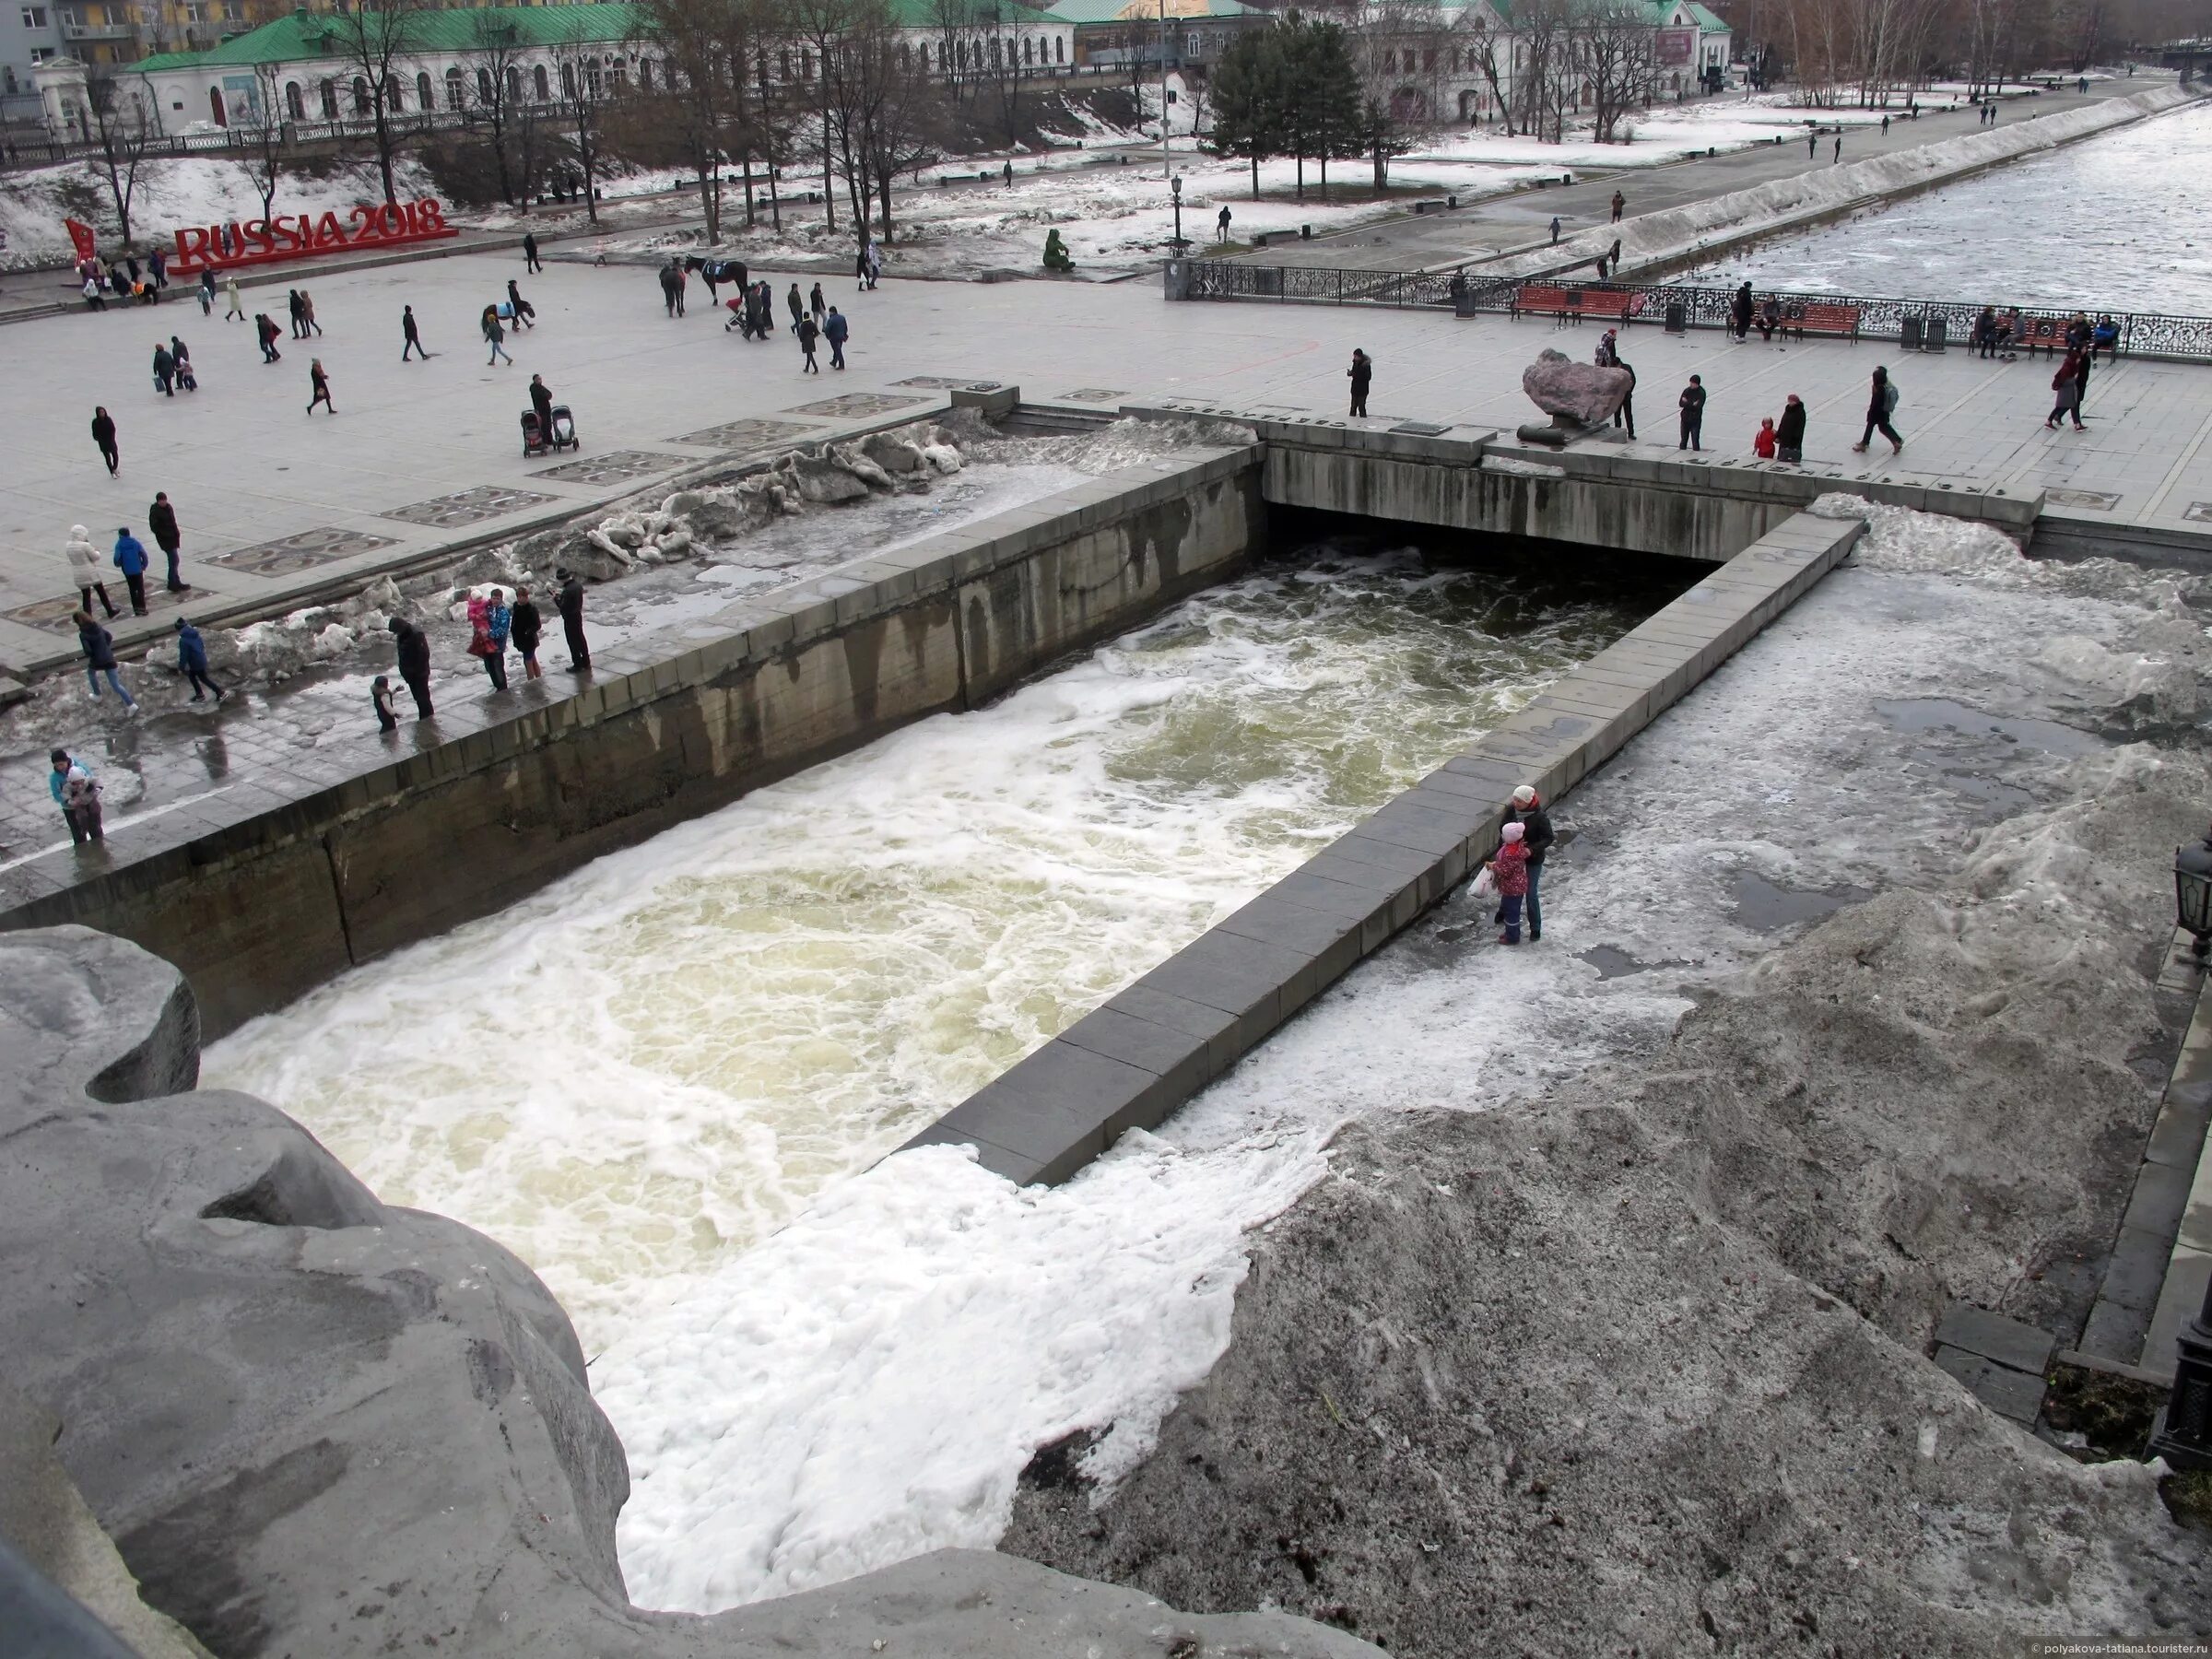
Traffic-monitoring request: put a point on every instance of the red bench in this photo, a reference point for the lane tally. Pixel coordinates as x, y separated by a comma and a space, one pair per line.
1821, 319
2050, 332
1576, 302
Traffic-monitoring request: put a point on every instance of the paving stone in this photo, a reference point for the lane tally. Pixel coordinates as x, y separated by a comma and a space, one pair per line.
2161, 1194
2115, 1333
1993, 1336
2138, 1267
2008, 1393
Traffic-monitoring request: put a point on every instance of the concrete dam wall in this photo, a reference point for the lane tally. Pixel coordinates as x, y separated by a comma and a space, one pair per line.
277, 894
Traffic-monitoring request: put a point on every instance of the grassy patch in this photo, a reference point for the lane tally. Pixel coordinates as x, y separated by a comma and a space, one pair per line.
2114, 1413
2189, 1499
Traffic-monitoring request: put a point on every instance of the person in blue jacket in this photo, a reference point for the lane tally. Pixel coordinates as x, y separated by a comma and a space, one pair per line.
130, 559
98, 646
191, 660
834, 329
77, 792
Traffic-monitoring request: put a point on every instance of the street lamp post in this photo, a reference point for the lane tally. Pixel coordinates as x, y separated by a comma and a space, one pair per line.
1175, 190
2184, 1436
2193, 894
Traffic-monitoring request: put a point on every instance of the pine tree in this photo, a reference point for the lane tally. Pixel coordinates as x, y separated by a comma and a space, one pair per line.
1248, 104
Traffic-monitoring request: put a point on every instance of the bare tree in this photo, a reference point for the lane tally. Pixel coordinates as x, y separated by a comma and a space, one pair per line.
125, 125
260, 137
1547, 70
693, 38
495, 44
582, 91
372, 42
1495, 54
1614, 51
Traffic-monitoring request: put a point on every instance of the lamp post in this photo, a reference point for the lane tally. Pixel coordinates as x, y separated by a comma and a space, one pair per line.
2184, 1435
1175, 190
2193, 894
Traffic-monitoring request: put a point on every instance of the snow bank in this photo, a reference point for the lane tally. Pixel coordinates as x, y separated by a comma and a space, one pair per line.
173, 192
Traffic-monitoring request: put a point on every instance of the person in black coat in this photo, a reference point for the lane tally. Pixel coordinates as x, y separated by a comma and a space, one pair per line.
414, 653
541, 399
1537, 836
162, 518
1741, 311
1788, 431
526, 628
1362, 373
571, 605
1692, 404
103, 434
1626, 415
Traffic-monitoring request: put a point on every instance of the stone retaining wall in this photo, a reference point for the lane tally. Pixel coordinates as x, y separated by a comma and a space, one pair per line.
280, 883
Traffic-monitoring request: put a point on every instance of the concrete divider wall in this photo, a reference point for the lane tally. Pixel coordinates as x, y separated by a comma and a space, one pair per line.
1131, 1063
278, 884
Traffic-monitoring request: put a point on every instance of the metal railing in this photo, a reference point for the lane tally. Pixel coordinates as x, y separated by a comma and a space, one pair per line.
1881, 317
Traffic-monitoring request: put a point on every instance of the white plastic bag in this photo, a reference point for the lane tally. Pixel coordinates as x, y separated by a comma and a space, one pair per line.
1485, 884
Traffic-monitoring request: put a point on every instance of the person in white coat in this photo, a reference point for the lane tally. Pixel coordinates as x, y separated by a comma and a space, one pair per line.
85, 568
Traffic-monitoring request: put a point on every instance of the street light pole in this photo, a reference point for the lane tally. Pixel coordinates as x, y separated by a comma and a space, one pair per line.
1166, 172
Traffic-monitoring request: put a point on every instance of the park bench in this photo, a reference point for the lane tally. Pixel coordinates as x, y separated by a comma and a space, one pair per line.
1821, 319
1576, 302
2050, 332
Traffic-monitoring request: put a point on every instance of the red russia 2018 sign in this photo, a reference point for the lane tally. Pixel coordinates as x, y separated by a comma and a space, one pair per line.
265, 241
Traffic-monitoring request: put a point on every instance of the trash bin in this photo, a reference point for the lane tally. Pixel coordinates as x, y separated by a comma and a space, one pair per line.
1677, 317
1908, 333
1938, 335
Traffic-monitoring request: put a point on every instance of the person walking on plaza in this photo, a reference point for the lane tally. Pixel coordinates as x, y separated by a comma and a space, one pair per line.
1620, 204
531, 265
1536, 836
1881, 403
307, 313
130, 559
2081, 378
413, 652
264, 326
1221, 222
495, 336
182, 359
85, 569
1626, 415
1789, 432
1839, 150
1555, 230
1739, 312
98, 646
526, 314
103, 435
380, 698
77, 792
164, 369
191, 662
797, 305
410, 342
1763, 442
292, 303
808, 334
2067, 385
1509, 866
207, 293
816, 304
1885, 126
1692, 404
834, 330
234, 305
569, 603
1812, 144
162, 518
1362, 375
526, 628
319, 384
157, 265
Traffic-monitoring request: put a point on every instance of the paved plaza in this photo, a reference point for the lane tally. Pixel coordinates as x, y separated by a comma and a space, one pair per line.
277, 504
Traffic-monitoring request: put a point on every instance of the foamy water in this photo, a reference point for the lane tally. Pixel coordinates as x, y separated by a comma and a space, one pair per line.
636, 1074
2120, 222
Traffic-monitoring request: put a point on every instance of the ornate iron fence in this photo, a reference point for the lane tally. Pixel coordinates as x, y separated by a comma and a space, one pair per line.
2141, 334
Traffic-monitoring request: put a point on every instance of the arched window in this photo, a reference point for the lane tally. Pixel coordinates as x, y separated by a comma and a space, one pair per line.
485, 93
906, 58
926, 59
783, 65
1059, 48
515, 85
1028, 50
592, 78
330, 98
993, 51
422, 91
959, 53
360, 95
567, 82
543, 87
645, 74
456, 92
805, 65
295, 101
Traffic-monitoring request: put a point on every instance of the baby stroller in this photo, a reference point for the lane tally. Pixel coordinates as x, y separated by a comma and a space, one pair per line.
534, 435
563, 435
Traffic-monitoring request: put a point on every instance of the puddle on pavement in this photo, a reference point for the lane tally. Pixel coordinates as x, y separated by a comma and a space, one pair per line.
1766, 906
1967, 744
1612, 963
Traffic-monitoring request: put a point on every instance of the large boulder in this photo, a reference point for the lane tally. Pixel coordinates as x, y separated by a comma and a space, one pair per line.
316, 1423
1570, 392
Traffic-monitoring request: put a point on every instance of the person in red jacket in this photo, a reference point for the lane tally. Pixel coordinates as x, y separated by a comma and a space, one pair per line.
1510, 866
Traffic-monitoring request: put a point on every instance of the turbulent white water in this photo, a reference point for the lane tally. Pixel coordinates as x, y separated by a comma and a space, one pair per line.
652, 1063
2119, 222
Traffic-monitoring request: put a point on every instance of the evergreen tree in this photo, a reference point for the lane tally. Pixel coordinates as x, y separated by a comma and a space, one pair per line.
1248, 106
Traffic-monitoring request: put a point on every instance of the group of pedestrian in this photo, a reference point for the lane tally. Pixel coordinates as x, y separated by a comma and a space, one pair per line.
173, 368
123, 279
1516, 866
493, 627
